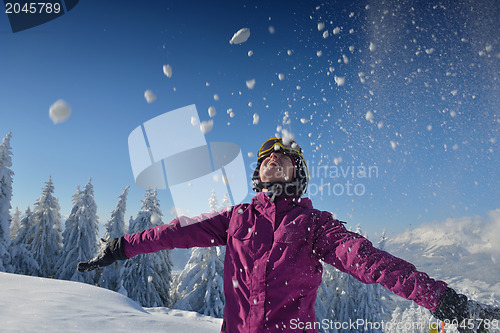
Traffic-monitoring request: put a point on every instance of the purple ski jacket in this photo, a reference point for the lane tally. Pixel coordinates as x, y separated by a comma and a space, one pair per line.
272, 266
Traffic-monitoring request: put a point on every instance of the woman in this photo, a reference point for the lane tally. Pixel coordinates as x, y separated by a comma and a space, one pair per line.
274, 246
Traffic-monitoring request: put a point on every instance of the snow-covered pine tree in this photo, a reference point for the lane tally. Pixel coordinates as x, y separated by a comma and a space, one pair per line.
14, 224
6, 175
328, 297
79, 236
200, 285
22, 257
147, 277
383, 240
213, 202
46, 231
115, 227
226, 201
392, 326
415, 319
111, 277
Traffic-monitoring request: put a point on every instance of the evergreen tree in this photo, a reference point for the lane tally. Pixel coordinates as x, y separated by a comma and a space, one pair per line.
22, 257
14, 225
213, 202
199, 287
79, 236
147, 277
393, 326
383, 240
415, 319
328, 296
6, 175
46, 231
201, 284
111, 277
226, 201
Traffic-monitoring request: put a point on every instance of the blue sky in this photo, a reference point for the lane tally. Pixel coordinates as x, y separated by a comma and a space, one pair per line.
410, 90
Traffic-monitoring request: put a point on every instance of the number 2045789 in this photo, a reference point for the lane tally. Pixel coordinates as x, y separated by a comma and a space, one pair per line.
32, 8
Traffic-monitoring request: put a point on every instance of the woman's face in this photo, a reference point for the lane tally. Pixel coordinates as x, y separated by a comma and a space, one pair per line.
278, 167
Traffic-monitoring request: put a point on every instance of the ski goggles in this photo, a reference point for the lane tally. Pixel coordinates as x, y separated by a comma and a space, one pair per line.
277, 144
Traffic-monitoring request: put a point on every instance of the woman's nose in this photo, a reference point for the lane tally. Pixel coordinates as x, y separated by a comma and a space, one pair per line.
275, 154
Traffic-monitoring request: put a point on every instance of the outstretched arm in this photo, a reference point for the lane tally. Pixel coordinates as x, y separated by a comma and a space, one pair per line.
355, 255
201, 231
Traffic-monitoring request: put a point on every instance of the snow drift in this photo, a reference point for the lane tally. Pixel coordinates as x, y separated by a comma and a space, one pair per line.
31, 304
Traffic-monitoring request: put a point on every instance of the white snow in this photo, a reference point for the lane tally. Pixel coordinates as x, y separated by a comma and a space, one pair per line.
281, 76
250, 53
250, 83
340, 81
206, 126
321, 26
211, 111
59, 111
240, 36
369, 116
336, 31
149, 96
32, 304
194, 121
167, 70
255, 118
372, 47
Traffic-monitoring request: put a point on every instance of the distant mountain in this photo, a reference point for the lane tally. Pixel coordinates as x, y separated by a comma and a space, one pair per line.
464, 252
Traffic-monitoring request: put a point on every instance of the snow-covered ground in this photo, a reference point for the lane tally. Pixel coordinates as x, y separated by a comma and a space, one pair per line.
31, 304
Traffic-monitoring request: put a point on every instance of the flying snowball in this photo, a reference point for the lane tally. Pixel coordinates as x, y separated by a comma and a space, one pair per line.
211, 112
206, 126
255, 118
281, 76
149, 96
251, 84
240, 36
167, 70
369, 116
59, 111
340, 81
194, 121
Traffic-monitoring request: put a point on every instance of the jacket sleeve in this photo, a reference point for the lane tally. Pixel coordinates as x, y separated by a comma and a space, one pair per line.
183, 232
353, 254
